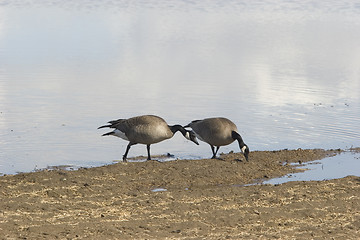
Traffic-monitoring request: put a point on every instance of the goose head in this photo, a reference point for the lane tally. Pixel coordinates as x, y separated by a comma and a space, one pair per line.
190, 135
245, 150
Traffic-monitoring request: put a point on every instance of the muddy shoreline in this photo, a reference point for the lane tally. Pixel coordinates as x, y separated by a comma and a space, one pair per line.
203, 199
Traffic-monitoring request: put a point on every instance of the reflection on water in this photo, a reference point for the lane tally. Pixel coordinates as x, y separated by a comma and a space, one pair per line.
287, 73
339, 166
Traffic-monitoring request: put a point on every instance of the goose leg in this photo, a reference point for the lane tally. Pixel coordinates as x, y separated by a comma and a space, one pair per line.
217, 149
127, 151
213, 151
148, 151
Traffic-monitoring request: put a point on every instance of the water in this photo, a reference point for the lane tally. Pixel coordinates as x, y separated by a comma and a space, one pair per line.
287, 73
159, 190
338, 166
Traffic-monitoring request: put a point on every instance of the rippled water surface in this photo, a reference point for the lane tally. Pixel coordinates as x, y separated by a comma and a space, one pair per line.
286, 72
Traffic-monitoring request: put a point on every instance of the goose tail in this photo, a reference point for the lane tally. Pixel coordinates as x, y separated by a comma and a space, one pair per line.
109, 134
105, 126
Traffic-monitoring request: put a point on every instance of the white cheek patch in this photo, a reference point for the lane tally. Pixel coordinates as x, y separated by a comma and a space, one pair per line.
243, 149
120, 134
187, 135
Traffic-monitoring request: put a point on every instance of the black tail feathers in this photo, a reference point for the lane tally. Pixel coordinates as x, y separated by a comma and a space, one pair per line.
108, 134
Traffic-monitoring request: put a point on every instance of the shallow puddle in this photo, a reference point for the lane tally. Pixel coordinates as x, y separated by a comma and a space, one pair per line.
159, 190
339, 166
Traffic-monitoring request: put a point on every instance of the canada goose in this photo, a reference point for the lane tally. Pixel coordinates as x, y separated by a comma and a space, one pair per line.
146, 129
218, 132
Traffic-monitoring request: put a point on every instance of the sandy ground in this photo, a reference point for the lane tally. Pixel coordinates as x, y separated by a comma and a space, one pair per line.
204, 199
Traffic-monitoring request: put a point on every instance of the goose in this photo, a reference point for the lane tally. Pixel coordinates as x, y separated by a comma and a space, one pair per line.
218, 131
146, 129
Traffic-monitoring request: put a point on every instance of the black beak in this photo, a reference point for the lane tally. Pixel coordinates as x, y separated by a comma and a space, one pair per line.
246, 156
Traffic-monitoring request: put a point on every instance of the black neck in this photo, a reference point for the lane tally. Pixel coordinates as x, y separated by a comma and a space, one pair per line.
176, 128
237, 137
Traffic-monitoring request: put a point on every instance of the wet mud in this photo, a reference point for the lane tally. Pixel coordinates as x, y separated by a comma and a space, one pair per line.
181, 199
